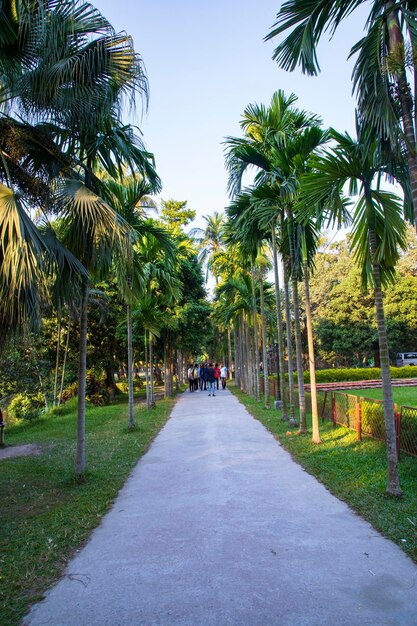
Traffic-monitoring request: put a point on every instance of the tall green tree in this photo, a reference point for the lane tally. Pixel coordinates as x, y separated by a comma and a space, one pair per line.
378, 232
385, 57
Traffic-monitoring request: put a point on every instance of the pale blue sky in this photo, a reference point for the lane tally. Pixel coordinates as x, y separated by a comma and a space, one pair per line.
205, 62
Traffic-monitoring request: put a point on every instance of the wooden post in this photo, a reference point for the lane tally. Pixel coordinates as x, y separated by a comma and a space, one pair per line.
334, 410
359, 418
324, 406
397, 416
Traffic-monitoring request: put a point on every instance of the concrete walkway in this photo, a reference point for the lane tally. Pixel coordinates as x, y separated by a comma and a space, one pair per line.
218, 526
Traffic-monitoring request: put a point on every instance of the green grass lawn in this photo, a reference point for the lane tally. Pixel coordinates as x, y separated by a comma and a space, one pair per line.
403, 396
45, 514
354, 471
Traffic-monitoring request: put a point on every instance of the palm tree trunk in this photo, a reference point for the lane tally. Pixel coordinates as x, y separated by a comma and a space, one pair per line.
393, 481
237, 360
152, 401
131, 422
65, 360
58, 346
80, 465
165, 368
244, 345
297, 329
299, 357
147, 389
281, 364
177, 367
314, 411
256, 339
229, 351
293, 420
396, 44
264, 348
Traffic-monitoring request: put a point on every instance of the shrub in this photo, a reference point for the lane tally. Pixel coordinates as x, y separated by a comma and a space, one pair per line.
25, 406
69, 392
123, 385
352, 374
96, 390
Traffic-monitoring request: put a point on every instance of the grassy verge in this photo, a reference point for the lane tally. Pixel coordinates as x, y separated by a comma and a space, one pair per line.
403, 396
354, 471
45, 514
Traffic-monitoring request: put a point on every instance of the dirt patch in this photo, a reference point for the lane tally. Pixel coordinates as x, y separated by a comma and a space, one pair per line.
29, 449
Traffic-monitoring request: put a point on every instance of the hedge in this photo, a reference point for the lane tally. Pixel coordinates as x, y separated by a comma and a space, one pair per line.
351, 374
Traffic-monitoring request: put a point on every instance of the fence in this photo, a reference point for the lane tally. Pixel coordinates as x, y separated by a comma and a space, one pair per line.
365, 416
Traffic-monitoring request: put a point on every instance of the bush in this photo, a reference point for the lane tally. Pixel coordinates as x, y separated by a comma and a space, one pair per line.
96, 390
352, 374
25, 406
124, 386
69, 392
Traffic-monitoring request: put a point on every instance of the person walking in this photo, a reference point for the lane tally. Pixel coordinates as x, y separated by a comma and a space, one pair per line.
223, 376
195, 377
203, 381
217, 374
211, 381
190, 375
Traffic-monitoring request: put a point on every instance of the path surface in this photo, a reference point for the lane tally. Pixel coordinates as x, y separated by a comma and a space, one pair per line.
218, 526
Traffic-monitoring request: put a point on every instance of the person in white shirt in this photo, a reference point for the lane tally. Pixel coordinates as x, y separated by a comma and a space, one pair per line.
223, 376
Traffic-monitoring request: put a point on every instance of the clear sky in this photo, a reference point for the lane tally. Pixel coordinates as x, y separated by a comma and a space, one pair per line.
205, 62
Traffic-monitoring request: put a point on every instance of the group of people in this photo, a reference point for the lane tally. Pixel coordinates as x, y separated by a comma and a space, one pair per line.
206, 377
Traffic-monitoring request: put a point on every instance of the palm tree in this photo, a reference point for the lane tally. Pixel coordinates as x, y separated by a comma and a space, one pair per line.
384, 58
210, 240
279, 141
378, 231
62, 63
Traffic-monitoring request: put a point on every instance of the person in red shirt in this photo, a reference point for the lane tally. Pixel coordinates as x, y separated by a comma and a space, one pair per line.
217, 374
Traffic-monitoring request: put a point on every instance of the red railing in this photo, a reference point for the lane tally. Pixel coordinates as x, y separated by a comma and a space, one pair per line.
363, 415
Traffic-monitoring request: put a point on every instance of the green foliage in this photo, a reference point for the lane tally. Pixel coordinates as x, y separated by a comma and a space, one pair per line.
354, 374
175, 213
25, 406
96, 390
344, 314
69, 392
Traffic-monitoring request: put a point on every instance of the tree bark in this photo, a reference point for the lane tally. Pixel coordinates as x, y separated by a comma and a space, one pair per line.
280, 334
396, 43
229, 352
314, 412
256, 340
393, 481
293, 420
131, 422
58, 347
299, 357
65, 360
80, 464
264, 348
151, 371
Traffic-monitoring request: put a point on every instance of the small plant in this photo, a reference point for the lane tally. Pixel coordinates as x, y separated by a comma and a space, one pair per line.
25, 406
96, 390
69, 392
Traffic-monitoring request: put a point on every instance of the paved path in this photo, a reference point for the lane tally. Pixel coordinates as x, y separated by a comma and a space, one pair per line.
218, 526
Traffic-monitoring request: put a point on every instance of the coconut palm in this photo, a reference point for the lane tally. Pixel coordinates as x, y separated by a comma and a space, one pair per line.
384, 57
279, 141
209, 240
378, 231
